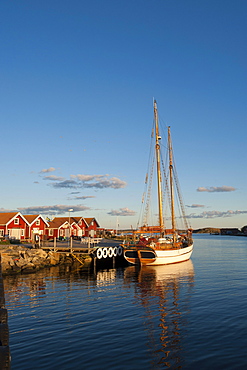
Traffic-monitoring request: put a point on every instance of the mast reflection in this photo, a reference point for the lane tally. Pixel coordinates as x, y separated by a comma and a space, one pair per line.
164, 292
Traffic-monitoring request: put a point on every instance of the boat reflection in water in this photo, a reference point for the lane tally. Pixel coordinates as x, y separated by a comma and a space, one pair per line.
164, 292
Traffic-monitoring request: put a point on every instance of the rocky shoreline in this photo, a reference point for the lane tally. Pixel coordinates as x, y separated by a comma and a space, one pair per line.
18, 259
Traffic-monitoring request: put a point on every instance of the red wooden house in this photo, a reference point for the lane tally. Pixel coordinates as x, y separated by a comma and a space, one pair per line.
92, 226
37, 226
13, 225
82, 226
62, 227
79, 227
58, 228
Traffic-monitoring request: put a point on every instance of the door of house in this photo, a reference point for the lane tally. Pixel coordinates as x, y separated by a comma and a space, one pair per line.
15, 233
91, 233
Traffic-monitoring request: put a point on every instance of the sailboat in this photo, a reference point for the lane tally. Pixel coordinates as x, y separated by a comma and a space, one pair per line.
160, 245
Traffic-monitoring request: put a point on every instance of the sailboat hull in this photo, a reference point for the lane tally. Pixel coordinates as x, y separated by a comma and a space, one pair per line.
152, 257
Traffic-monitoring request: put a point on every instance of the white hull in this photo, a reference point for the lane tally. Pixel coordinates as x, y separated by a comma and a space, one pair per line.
166, 257
155, 257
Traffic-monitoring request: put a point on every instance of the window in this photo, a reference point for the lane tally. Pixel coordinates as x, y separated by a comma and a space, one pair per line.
22, 232
50, 232
16, 221
1, 233
37, 222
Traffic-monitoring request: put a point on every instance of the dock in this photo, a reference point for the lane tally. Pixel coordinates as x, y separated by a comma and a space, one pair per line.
101, 251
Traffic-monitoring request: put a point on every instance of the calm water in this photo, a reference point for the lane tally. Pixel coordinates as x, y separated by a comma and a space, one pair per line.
191, 315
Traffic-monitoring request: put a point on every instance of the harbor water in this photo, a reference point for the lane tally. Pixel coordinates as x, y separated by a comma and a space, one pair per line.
190, 315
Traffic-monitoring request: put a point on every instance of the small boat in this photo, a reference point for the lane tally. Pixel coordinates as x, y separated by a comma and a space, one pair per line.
161, 244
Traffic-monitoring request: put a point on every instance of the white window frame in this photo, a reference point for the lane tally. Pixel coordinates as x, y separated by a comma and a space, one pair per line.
16, 221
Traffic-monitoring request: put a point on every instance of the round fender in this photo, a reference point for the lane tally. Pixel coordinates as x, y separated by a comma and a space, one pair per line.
119, 251
104, 252
99, 253
110, 252
114, 251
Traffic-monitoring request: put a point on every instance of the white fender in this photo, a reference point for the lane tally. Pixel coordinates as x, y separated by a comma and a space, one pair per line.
114, 251
104, 252
99, 253
110, 252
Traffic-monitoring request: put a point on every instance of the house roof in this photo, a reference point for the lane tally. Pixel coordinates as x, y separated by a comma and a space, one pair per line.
6, 217
32, 218
75, 219
58, 222
89, 220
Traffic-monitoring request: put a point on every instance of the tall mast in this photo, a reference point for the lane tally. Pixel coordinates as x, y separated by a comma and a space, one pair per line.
171, 179
159, 180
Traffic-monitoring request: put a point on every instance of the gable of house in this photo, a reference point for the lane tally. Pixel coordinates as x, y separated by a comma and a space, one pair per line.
58, 227
92, 222
37, 225
14, 225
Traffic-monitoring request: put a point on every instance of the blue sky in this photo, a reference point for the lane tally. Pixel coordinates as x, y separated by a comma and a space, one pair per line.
78, 80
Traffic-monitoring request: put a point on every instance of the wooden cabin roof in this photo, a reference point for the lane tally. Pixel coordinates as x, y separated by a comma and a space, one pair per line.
7, 216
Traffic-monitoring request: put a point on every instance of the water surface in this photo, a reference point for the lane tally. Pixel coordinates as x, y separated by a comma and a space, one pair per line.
190, 315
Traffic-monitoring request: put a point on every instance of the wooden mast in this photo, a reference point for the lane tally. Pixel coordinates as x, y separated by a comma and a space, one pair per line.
171, 180
159, 179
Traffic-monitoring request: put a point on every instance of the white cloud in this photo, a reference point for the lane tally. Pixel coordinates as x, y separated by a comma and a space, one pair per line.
216, 189
91, 181
56, 209
196, 206
53, 178
82, 197
70, 184
45, 170
86, 178
122, 212
214, 214
4, 210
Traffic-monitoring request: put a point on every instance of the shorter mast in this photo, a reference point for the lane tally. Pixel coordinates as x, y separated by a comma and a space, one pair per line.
159, 179
171, 180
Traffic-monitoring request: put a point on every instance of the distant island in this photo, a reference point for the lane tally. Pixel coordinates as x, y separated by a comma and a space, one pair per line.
222, 231
204, 230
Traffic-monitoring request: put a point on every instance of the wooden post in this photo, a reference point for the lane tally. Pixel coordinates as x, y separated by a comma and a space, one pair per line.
71, 242
94, 264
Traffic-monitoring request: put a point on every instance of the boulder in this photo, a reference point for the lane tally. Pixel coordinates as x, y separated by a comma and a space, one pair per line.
28, 266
